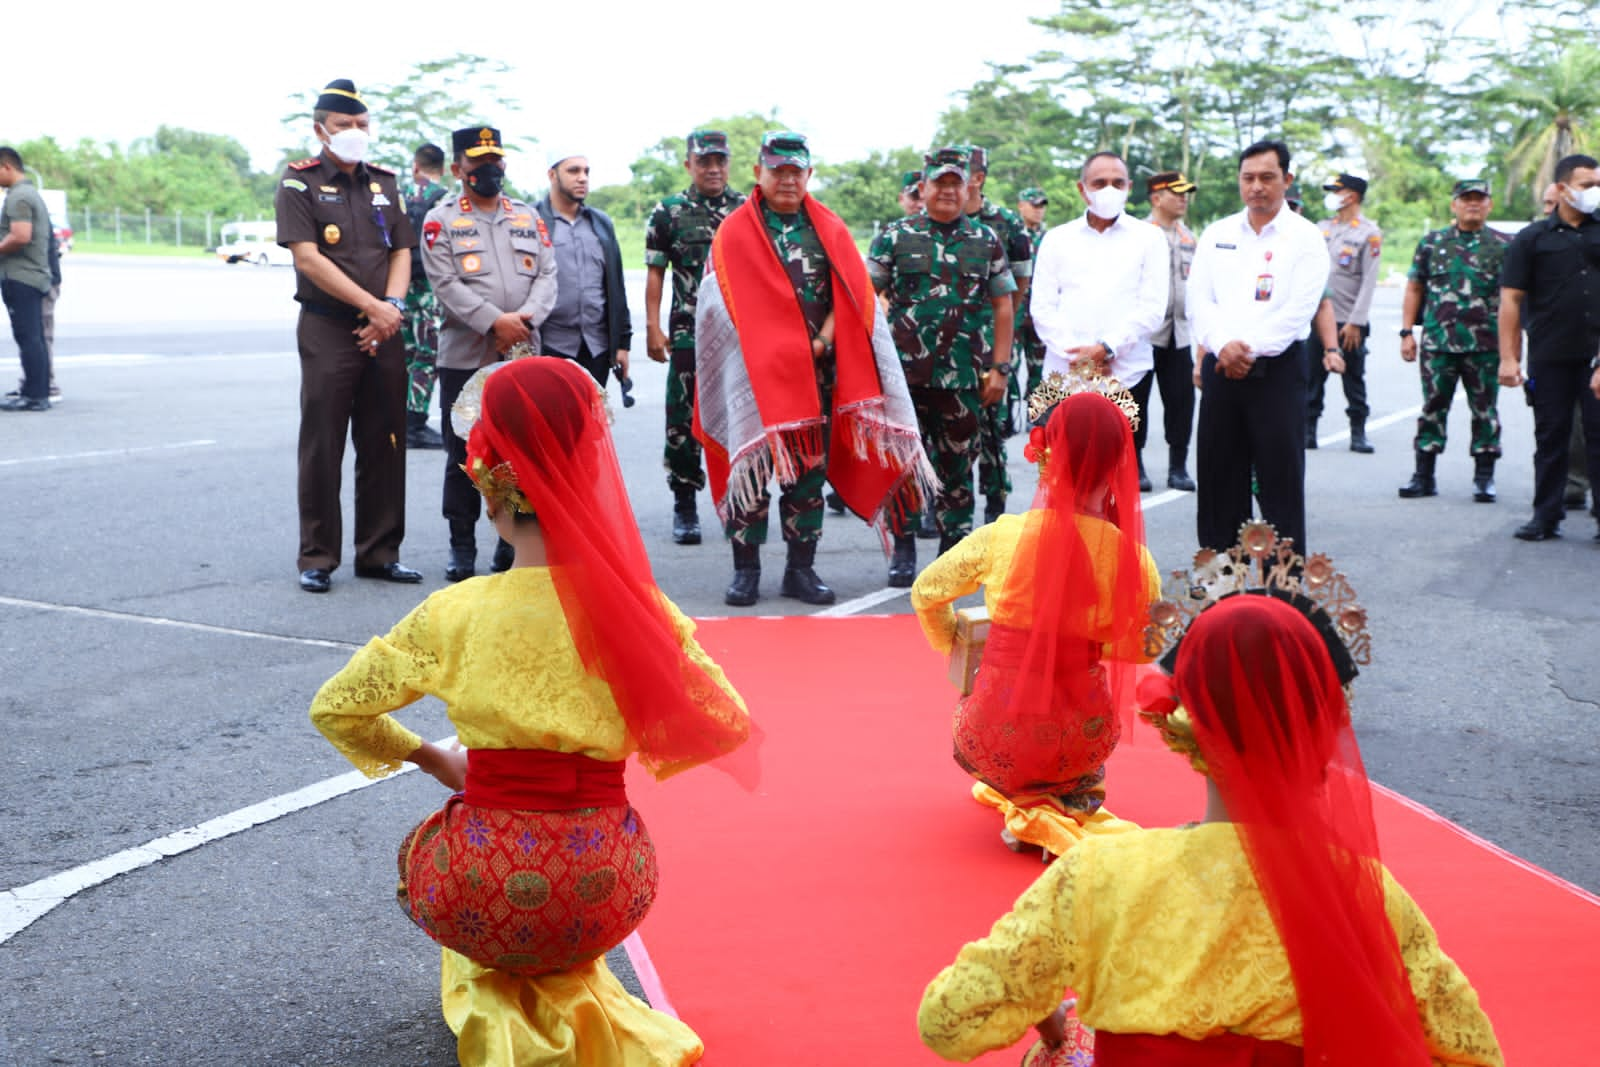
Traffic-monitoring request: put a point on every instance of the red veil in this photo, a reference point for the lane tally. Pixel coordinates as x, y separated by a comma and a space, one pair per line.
1077, 594
546, 419
1271, 720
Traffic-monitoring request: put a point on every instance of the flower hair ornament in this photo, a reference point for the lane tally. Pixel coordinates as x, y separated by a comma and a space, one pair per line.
1260, 564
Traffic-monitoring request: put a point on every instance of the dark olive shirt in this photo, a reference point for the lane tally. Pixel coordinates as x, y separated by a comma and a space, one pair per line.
1558, 266
356, 220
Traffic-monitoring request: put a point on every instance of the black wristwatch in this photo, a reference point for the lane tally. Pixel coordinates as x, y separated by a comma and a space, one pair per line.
1002, 369
399, 305
1405, 333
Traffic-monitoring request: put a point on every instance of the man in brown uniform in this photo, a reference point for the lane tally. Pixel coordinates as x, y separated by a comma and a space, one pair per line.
346, 224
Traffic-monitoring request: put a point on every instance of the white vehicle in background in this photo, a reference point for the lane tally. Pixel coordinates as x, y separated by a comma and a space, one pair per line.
253, 242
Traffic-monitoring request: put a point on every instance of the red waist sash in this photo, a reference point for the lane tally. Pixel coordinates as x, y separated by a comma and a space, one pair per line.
1172, 1050
531, 779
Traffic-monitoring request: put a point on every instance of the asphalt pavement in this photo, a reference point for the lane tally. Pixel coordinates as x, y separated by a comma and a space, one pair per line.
158, 658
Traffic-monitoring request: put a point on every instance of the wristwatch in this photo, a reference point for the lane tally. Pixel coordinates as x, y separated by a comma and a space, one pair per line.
1002, 369
1330, 348
1406, 332
399, 305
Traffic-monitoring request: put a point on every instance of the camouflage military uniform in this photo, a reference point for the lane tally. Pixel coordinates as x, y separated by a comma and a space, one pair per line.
419, 329
800, 504
997, 423
940, 279
1459, 272
1028, 345
678, 236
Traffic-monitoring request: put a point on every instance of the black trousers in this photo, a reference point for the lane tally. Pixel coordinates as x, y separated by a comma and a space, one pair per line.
1252, 427
1557, 389
26, 307
1355, 378
462, 502
1174, 376
599, 367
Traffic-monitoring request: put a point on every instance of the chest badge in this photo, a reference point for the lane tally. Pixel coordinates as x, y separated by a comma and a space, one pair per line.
375, 187
331, 234
471, 264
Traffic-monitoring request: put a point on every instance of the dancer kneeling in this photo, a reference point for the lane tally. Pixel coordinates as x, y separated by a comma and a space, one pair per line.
1270, 934
1068, 586
553, 673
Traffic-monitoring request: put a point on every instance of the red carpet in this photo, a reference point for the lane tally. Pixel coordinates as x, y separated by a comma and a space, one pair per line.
798, 925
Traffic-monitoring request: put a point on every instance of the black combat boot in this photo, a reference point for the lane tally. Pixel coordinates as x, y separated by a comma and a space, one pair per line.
1178, 469
463, 551
504, 556
1422, 483
927, 526
801, 582
419, 434
903, 564
1358, 436
1483, 477
1144, 479
685, 516
1311, 431
745, 589
993, 508
949, 541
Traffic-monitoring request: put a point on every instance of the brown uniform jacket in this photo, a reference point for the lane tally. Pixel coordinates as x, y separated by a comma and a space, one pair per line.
357, 220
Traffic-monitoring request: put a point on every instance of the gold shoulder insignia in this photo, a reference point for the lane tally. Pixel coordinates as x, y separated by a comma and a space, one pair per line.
305, 164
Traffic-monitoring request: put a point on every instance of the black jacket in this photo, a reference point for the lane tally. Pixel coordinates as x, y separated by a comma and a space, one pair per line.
619, 325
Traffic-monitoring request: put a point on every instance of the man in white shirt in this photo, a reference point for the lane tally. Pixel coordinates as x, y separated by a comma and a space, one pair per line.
1256, 281
1100, 283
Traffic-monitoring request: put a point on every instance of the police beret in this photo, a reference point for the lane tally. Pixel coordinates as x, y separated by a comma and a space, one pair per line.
340, 96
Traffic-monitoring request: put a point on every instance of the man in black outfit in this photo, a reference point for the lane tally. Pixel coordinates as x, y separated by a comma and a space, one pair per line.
1551, 283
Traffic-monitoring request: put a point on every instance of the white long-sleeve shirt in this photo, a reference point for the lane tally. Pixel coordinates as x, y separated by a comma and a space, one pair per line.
1259, 288
1106, 287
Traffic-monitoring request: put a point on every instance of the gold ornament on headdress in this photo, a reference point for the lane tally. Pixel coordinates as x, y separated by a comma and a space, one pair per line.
1081, 377
497, 483
1261, 562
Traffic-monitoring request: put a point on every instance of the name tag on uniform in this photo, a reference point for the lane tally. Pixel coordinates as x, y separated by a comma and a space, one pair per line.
1264, 287
1230, 248
331, 198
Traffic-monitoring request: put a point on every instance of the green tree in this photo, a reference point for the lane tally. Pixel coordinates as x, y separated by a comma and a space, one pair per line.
1554, 100
865, 192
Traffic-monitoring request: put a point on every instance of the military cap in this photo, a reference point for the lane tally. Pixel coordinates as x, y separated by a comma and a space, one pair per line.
340, 96
1173, 181
708, 143
1468, 186
475, 141
785, 148
910, 178
1347, 181
1033, 195
951, 159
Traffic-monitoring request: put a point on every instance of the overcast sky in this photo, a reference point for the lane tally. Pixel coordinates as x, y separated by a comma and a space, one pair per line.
608, 76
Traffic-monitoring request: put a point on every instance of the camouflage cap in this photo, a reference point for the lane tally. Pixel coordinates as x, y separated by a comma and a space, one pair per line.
708, 143
1033, 195
910, 178
951, 159
785, 148
1468, 186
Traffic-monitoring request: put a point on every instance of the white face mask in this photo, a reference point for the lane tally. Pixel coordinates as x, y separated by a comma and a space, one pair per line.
1333, 202
349, 145
1586, 201
1107, 201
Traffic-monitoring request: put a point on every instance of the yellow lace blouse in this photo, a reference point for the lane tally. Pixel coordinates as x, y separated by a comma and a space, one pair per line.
1165, 931
984, 558
497, 651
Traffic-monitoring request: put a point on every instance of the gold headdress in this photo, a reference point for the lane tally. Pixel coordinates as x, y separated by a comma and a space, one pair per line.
1080, 377
1260, 564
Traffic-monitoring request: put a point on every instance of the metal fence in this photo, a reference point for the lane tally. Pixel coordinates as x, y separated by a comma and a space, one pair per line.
115, 226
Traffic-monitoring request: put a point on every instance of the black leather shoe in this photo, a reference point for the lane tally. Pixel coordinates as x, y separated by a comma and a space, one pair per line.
1358, 437
1145, 485
1535, 530
391, 572
423, 436
463, 564
504, 557
1179, 479
24, 403
316, 580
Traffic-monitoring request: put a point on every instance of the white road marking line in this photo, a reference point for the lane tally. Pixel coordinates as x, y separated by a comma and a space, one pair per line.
97, 453
24, 905
1375, 424
128, 359
157, 620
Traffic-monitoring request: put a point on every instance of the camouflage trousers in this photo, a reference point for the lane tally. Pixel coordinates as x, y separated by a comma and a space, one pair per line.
419, 332
799, 504
682, 454
1478, 372
950, 423
998, 423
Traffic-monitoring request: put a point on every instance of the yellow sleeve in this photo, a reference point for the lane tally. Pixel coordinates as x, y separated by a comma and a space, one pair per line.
959, 572
698, 656
999, 987
1131, 648
1457, 1030
352, 708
